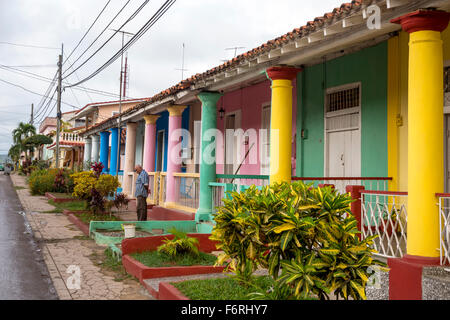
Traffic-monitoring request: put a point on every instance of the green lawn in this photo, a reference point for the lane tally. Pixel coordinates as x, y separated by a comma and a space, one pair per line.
77, 205
87, 217
220, 288
155, 259
62, 195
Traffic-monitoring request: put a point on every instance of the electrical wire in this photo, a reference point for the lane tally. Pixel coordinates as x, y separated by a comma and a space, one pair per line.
42, 78
95, 40
85, 34
161, 11
28, 45
101, 47
30, 91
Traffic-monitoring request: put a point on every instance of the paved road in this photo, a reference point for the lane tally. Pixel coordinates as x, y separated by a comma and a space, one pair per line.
23, 273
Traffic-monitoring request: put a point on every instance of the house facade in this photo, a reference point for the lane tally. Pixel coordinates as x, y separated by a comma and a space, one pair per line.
358, 98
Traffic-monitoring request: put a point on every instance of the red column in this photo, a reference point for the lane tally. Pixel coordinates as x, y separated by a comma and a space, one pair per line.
355, 207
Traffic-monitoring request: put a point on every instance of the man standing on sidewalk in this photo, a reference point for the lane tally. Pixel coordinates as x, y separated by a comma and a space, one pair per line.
141, 193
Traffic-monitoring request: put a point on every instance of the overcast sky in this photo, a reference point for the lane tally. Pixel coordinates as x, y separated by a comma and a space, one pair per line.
206, 27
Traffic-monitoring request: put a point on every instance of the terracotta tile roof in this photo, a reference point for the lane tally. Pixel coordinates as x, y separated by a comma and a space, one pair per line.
302, 31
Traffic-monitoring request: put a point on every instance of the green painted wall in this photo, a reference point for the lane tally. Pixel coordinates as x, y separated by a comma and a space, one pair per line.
368, 66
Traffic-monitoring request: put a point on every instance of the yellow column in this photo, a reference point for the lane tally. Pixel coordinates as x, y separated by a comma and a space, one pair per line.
281, 123
393, 111
425, 129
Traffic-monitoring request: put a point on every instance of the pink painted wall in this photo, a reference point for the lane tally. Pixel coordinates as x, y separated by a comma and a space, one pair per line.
250, 101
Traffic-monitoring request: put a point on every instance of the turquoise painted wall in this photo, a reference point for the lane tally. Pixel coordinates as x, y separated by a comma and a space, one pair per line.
368, 66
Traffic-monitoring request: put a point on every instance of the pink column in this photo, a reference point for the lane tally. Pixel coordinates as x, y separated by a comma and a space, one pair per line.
173, 162
150, 142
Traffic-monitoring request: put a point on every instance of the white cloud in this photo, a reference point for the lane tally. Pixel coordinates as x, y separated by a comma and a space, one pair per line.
207, 27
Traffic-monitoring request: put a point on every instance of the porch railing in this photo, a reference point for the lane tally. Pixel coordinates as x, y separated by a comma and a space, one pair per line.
226, 183
70, 136
444, 227
162, 188
188, 188
384, 213
369, 183
153, 185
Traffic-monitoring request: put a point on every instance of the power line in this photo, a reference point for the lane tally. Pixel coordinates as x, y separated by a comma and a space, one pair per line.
101, 47
47, 93
28, 45
161, 11
46, 79
85, 34
95, 40
33, 66
44, 109
30, 91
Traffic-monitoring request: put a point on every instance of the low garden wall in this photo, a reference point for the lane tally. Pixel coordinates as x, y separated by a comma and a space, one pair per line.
141, 272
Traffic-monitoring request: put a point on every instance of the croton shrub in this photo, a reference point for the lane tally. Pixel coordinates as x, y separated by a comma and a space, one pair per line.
95, 187
306, 237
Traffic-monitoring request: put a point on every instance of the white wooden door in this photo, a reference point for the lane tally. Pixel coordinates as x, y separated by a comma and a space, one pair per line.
344, 154
233, 144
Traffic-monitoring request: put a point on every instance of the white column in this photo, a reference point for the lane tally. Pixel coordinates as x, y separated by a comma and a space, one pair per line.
95, 148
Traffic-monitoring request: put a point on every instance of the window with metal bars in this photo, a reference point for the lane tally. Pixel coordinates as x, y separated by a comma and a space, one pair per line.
446, 79
343, 99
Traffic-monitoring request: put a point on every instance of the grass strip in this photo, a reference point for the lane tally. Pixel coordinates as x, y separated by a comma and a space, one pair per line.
220, 288
71, 205
156, 259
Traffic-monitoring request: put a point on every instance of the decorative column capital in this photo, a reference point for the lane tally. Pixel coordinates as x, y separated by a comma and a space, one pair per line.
424, 20
176, 111
151, 118
209, 97
282, 73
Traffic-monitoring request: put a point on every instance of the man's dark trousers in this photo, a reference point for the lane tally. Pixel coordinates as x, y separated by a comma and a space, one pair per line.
141, 208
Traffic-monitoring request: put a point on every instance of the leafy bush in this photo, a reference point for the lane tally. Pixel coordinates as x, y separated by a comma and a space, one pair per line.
97, 168
41, 181
94, 189
120, 201
107, 184
84, 182
51, 180
181, 244
306, 237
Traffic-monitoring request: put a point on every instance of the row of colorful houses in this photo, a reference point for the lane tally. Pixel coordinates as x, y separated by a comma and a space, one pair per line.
339, 99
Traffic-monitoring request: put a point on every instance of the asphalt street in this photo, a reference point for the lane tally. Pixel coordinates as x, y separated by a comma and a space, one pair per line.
23, 273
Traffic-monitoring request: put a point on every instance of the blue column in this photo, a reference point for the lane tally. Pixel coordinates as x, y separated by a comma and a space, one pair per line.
114, 151
104, 149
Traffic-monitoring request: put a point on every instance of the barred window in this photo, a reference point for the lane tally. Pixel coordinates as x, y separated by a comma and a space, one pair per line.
447, 79
343, 99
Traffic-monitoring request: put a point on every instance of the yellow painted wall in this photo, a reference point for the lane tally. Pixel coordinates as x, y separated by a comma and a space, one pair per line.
398, 103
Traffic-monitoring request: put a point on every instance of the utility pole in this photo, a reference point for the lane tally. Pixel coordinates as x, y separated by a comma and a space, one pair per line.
32, 115
119, 125
58, 105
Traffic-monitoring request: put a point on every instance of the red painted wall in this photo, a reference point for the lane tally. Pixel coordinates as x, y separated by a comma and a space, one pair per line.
250, 101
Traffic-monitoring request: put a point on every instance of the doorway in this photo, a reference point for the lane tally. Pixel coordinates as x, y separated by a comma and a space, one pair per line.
160, 151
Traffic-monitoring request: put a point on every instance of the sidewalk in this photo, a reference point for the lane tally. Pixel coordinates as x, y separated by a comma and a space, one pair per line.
63, 245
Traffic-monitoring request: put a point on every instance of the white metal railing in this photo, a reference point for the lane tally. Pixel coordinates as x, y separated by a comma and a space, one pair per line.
384, 213
340, 183
70, 136
188, 188
444, 227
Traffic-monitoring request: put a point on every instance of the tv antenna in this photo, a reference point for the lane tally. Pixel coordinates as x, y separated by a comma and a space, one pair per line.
235, 50
182, 65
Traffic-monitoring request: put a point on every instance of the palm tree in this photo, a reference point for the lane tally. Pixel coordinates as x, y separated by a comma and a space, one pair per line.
14, 153
21, 133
